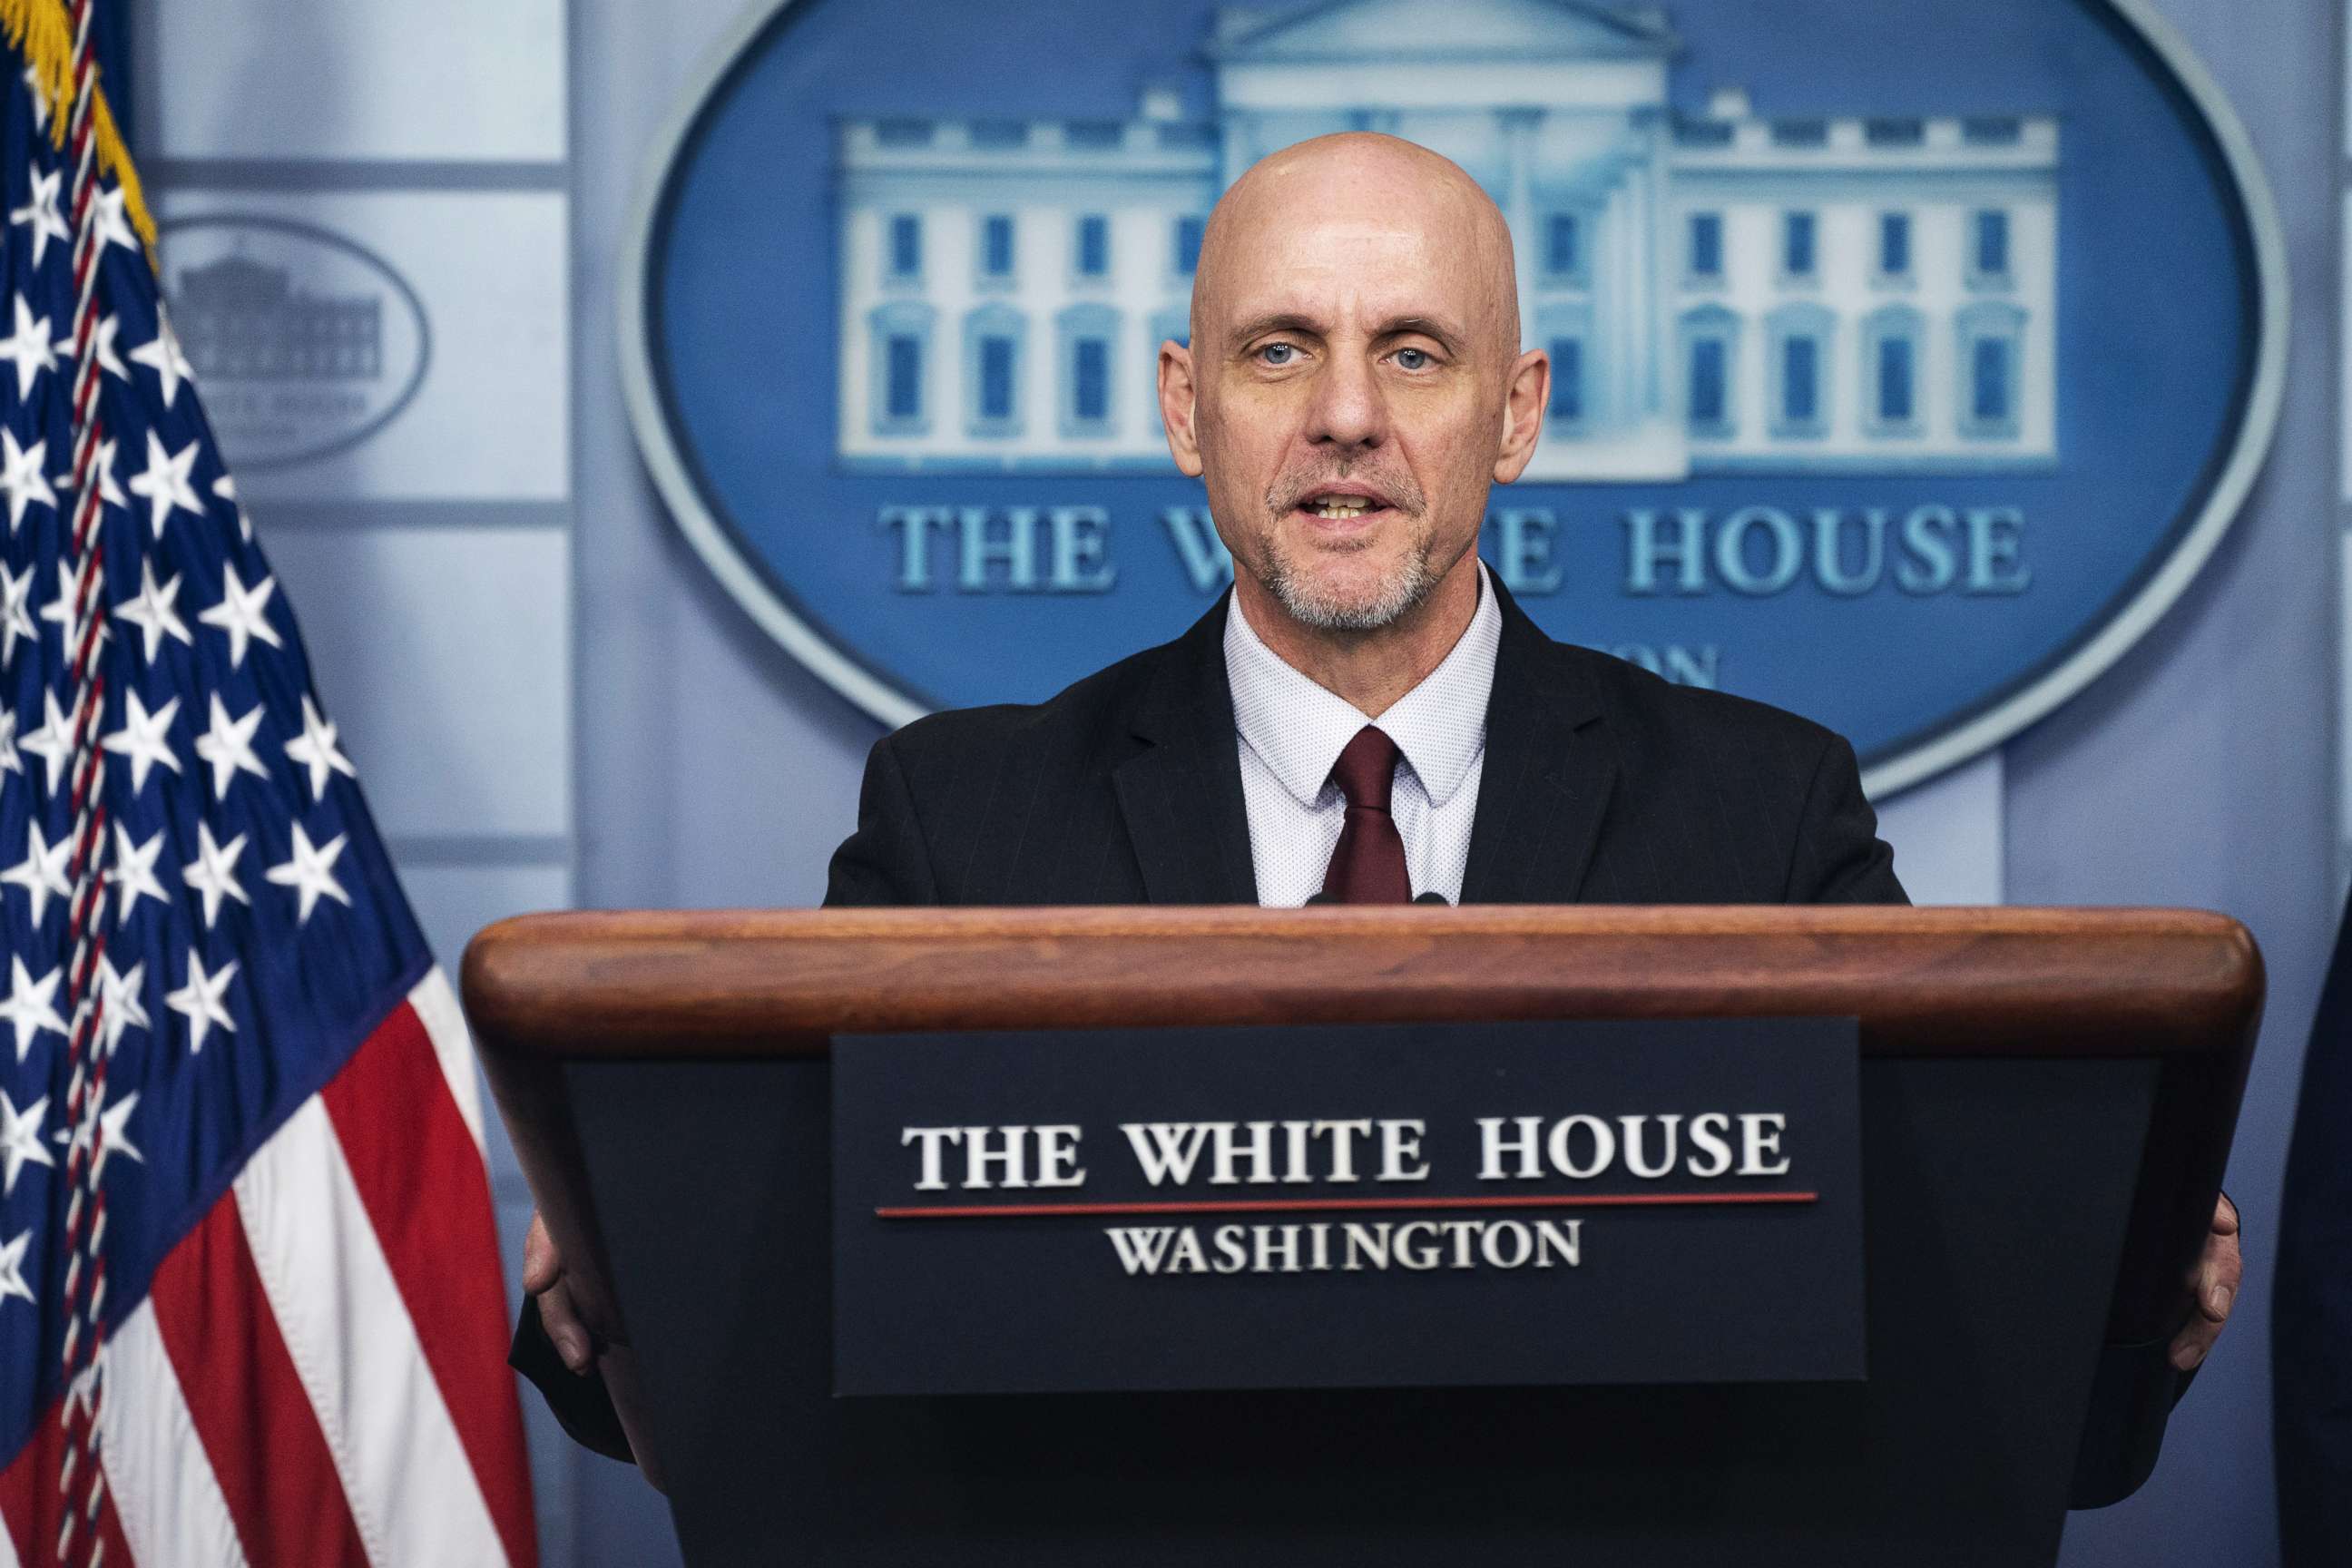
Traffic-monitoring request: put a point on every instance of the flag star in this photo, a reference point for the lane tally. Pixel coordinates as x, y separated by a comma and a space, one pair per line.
10, 762
53, 742
12, 1267
226, 488
315, 749
133, 871
20, 1139
61, 612
28, 348
102, 345
141, 738
109, 487
113, 223
161, 352
154, 610
113, 1124
120, 1008
199, 1001
39, 93
227, 745
31, 1006
309, 870
16, 594
212, 872
165, 483
21, 477
43, 869
41, 212
241, 614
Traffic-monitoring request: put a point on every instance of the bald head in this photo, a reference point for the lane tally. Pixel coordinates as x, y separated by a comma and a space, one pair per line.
1352, 386
1372, 187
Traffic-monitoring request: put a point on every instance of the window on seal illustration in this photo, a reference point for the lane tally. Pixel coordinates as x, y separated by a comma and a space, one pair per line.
1890, 370
1093, 258
906, 246
996, 247
1991, 344
1800, 369
1566, 412
1189, 230
899, 353
1895, 248
1088, 334
991, 356
1798, 260
1706, 256
1988, 248
1564, 328
1564, 247
1710, 338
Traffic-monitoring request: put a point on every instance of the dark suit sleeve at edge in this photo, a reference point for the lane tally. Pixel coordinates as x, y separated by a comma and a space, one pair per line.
885, 862
1839, 857
581, 1405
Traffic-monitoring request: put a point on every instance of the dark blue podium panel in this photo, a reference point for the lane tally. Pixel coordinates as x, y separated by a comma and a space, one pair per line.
1399, 1206
1996, 1205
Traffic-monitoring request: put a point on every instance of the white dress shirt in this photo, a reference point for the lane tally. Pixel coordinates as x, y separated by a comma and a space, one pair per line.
1292, 732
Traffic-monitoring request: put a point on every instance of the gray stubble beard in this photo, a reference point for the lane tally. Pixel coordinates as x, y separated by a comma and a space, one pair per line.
1299, 599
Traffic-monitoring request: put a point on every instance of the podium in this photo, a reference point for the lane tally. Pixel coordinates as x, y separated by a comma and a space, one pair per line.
2046, 1101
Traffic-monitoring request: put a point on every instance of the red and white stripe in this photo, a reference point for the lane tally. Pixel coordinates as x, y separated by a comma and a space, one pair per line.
317, 1376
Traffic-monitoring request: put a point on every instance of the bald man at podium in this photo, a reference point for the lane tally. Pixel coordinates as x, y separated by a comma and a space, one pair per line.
1368, 716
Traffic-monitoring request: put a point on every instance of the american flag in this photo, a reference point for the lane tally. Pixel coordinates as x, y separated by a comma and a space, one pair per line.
251, 1305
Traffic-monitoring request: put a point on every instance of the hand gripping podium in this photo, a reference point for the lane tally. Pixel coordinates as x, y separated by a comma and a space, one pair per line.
2046, 1099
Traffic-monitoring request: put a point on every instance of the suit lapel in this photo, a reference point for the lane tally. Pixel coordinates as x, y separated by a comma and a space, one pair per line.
1550, 766
1180, 796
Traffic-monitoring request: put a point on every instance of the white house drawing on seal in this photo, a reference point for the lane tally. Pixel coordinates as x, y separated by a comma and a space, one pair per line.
1722, 291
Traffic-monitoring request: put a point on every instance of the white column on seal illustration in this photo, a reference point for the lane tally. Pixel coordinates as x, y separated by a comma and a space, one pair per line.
1657, 320
1618, 309
1637, 302
1236, 127
1640, 343
1517, 132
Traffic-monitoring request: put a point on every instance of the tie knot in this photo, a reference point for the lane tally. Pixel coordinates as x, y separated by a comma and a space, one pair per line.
1366, 770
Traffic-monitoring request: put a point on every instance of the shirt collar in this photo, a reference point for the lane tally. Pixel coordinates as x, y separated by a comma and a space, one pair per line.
1299, 729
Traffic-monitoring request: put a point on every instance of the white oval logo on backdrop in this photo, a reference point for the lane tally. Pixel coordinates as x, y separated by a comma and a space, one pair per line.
305, 343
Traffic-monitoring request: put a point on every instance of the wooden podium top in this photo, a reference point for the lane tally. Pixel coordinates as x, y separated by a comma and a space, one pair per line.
1924, 981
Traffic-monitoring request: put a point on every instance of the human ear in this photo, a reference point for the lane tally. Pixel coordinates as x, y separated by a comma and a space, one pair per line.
1524, 401
1176, 403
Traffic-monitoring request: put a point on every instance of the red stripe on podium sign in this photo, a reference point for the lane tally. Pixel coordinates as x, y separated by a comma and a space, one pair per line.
1340, 1205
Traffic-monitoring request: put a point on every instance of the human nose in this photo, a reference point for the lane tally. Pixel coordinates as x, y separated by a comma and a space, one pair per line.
1348, 411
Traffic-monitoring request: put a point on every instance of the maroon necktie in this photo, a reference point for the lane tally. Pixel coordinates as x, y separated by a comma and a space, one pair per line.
1367, 863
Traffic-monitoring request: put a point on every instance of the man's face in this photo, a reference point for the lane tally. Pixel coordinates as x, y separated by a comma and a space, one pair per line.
1348, 365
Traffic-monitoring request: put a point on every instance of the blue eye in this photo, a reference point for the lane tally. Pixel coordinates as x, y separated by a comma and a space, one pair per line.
1266, 354
1413, 359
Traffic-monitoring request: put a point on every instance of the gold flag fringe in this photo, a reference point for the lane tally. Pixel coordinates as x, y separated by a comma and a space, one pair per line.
43, 32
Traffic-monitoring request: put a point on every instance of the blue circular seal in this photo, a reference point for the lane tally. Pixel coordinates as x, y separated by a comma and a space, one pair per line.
1909, 362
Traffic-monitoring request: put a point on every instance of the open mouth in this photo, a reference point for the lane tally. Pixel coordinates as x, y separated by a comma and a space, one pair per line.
1335, 506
